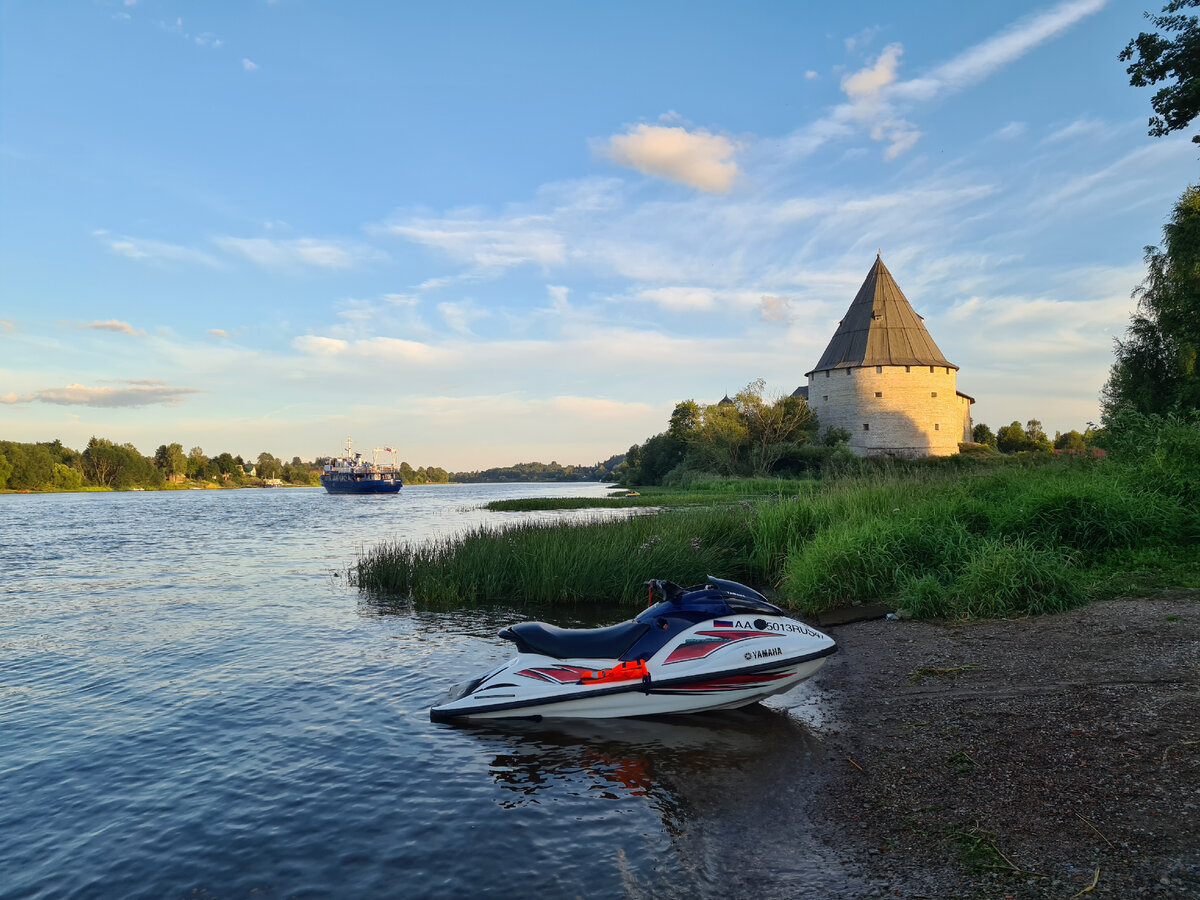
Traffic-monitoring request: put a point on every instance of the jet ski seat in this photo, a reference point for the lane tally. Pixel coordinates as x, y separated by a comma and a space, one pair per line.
575, 643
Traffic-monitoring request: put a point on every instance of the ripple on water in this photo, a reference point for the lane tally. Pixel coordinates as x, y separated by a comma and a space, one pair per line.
192, 705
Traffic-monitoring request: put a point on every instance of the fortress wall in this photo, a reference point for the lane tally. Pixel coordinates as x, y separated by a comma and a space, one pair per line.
965, 409
918, 414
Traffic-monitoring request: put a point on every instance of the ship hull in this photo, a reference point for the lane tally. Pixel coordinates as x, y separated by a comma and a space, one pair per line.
349, 486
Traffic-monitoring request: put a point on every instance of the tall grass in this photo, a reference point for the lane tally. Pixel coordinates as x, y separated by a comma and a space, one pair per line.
709, 491
537, 562
942, 540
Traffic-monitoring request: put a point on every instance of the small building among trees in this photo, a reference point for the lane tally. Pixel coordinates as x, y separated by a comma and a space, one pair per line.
883, 380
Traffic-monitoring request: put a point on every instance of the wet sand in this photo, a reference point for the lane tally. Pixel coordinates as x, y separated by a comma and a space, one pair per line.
1017, 758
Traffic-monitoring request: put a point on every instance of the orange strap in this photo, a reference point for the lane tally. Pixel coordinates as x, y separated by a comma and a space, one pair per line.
626, 671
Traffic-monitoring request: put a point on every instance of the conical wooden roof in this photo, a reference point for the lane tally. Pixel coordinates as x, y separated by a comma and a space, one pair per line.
880, 329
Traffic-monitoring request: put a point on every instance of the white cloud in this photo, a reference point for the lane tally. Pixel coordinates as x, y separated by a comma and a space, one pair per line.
380, 349
208, 39
810, 75
878, 101
864, 37
1009, 132
405, 351
774, 309
117, 326
679, 299
154, 252
697, 158
497, 244
402, 300
868, 82
298, 253
988, 56
458, 316
315, 345
218, 333
249, 65
1078, 128
594, 408
137, 393
8, 325
558, 298
1133, 179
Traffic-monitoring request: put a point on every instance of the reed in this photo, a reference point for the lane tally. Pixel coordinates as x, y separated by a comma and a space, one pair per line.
715, 491
538, 562
966, 540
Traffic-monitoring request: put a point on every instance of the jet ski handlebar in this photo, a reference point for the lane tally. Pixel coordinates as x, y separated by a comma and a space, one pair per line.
737, 595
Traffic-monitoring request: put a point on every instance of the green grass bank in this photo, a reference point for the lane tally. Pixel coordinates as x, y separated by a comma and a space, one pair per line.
983, 538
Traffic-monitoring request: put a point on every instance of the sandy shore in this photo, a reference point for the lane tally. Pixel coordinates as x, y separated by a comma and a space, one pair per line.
1019, 758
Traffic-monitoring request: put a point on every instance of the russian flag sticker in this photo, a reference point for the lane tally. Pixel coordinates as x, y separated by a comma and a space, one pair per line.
721, 623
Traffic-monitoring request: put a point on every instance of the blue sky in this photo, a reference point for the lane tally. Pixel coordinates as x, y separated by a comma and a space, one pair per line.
488, 233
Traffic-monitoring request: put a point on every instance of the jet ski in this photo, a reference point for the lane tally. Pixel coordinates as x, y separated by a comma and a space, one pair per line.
719, 645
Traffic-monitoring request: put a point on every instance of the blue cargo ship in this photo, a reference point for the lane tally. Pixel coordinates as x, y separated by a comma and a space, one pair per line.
351, 474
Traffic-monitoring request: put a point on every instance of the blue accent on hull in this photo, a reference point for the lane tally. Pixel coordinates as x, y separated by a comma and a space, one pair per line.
351, 486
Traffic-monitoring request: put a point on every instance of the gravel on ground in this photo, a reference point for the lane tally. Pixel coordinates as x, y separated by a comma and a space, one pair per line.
1052, 756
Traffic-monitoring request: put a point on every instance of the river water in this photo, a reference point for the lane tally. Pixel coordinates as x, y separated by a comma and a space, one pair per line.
194, 704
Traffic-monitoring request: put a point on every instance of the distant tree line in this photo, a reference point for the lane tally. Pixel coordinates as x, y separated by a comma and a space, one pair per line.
1032, 438
423, 475
536, 471
51, 466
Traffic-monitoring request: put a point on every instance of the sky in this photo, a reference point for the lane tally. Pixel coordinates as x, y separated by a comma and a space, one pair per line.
487, 233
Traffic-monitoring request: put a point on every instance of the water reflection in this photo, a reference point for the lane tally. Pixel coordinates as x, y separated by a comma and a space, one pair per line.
487, 618
732, 789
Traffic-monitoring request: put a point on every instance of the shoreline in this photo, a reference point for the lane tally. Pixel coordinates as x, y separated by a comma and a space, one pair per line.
1018, 757
254, 487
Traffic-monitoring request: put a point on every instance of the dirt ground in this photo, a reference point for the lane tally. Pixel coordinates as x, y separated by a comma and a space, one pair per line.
1043, 757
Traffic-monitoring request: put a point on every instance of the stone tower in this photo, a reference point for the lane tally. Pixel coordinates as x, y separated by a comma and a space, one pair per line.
884, 380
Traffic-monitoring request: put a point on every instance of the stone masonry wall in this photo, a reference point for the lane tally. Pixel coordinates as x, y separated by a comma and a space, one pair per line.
964, 409
908, 413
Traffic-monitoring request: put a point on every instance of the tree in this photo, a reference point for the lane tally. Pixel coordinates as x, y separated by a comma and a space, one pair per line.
268, 466
32, 465
773, 429
1035, 437
6, 469
721, 440
117, 466
100, 463
227, 464
1155, 371
169, 460
685, 419
67, 478
981, 434
1011, 438
633, 465
1072, 440
197, 464
834, 436
1175, 54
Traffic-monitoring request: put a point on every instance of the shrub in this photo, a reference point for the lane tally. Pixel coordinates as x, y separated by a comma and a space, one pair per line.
1013, 578
871, 560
